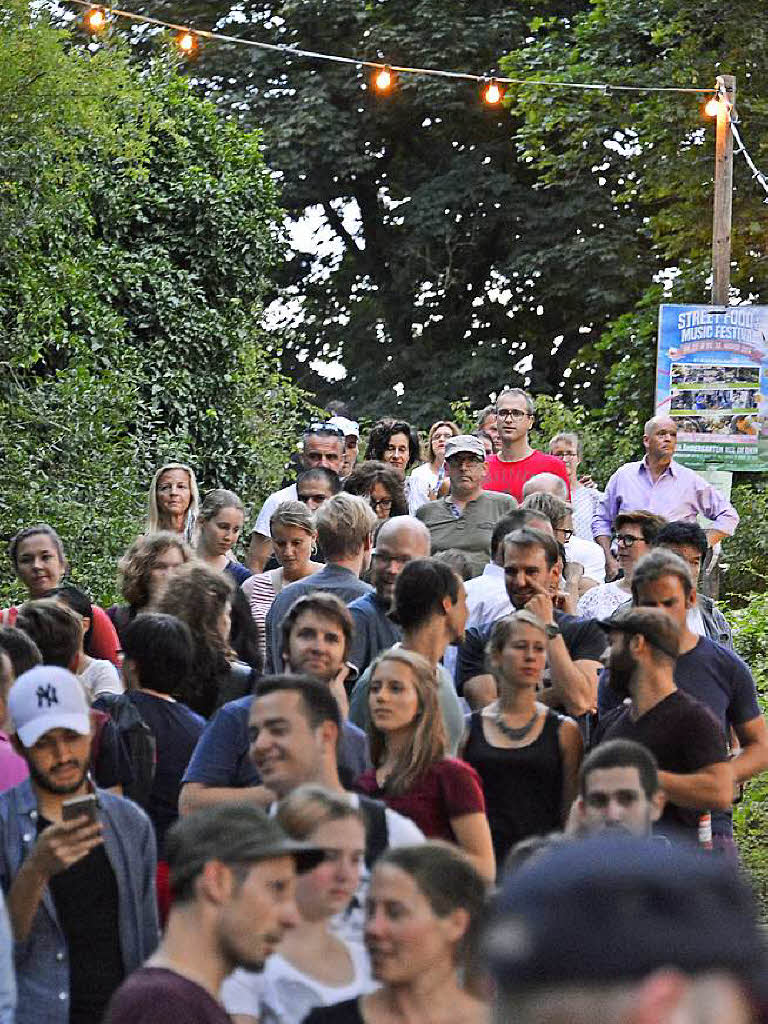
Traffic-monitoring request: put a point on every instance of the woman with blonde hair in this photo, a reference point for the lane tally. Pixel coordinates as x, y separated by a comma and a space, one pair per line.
174, 500
294, 539
428, 481
314, 966
425, 909
527, 755
411, 772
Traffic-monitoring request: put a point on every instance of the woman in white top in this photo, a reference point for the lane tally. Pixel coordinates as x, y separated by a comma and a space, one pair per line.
429, 480
635, 533
313, 966
96, 674
294, 538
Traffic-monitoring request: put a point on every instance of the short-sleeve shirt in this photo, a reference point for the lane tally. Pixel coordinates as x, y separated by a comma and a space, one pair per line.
584, 639
471, 532
721, 680
510, 477
221, 755
176, 729
448, 789
684, 737
154, 994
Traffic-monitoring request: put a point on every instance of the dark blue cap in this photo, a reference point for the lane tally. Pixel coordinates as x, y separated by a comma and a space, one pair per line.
611, 908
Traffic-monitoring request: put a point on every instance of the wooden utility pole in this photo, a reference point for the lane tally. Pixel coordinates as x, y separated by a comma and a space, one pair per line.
721, 219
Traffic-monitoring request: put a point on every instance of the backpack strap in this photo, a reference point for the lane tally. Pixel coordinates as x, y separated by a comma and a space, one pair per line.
376, 831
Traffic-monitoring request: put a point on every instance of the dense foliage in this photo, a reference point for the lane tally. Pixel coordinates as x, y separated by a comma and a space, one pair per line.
137, 230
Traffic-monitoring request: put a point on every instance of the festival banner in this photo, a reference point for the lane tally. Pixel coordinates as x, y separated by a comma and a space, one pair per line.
712, 378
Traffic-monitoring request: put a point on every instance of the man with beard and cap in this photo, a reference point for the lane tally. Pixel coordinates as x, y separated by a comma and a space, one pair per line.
682, 734
80, 891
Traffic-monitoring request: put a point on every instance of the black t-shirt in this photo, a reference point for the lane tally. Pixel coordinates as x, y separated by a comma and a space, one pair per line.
86, 901
340, 1013
683, 735
584, 639
176, 730
155, 995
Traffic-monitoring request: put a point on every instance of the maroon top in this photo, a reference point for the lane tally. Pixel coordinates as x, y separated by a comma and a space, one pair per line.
448, 789
154, 994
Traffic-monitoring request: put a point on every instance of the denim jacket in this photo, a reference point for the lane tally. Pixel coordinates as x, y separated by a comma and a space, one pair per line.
42, 964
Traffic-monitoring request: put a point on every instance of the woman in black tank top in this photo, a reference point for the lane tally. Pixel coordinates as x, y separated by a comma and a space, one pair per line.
527, 755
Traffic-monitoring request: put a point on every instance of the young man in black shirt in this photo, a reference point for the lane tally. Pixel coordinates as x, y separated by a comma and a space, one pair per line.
683, 735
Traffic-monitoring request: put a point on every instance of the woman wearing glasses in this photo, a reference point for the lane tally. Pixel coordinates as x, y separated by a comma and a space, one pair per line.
585, 496
429, 481
634, 533
381, 485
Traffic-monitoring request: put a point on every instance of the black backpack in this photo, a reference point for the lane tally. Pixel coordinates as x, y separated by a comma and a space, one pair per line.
139, 741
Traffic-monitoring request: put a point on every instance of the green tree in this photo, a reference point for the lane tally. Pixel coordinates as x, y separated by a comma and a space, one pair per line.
452, 272
138, 231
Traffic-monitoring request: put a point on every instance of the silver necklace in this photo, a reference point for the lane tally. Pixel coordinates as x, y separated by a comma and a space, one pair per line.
510, 731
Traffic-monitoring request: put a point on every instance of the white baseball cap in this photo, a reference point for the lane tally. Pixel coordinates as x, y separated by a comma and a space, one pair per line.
45, 698
349, 427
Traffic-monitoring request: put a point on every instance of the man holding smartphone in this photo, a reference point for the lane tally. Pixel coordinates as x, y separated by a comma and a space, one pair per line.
80, 890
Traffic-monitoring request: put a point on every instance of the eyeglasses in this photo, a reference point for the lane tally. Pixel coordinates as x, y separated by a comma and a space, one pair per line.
512, 414
384, 558
385, 504
627, 539
324, 428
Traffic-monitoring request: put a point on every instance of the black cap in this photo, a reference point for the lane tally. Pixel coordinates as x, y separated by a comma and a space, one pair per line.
611, 908
655, 625
233, 834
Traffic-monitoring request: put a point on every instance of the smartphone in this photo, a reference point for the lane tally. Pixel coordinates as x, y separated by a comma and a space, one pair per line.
79, 805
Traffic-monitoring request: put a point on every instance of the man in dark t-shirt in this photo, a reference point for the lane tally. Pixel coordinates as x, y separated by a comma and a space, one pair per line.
232, 871
574, 646
683, 735
705, 670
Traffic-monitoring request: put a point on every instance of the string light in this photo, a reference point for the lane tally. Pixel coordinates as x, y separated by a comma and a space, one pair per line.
295, 51
383, 80
187, 42
95, 19
711, 107
493, 93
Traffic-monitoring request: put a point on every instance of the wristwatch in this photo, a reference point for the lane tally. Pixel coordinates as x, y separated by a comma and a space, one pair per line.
552, 630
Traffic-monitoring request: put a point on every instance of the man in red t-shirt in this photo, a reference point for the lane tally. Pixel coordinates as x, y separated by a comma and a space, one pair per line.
517, 462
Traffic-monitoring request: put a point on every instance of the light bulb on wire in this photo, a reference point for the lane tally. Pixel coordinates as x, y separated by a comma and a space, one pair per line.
384, 79
95, 19
712, 107
493, 93
187, 42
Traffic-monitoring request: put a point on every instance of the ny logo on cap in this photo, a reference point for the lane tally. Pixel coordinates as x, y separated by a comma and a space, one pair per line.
47, 694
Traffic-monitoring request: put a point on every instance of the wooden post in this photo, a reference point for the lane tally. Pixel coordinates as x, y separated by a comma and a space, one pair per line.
721, 219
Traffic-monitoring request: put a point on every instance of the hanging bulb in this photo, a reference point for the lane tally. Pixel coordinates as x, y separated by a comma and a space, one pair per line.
383, 80
187, 42
493, 93
712, 107
96, 19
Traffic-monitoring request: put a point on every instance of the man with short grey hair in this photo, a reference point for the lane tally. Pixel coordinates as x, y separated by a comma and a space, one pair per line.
660, 484
466, 517
323, 447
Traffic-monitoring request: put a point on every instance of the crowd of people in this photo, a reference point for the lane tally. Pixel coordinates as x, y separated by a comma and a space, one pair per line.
458, 740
